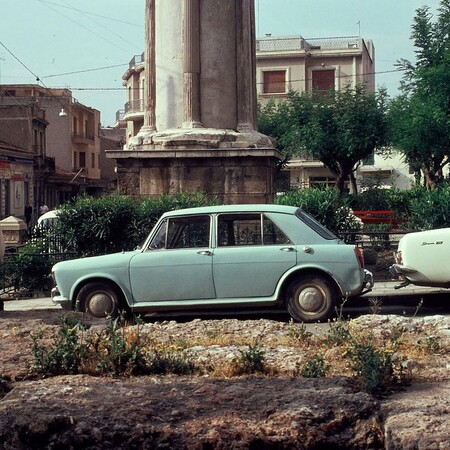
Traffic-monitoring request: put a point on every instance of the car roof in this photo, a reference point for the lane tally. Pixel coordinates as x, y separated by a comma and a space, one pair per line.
240, 208
53, 214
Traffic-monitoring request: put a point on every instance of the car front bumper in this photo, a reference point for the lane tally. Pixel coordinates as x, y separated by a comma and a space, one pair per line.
58, 299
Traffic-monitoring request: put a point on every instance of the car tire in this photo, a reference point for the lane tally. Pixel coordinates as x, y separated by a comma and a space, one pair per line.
99, 300
310, 299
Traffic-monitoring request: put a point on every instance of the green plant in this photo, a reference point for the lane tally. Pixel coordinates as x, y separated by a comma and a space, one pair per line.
31, 267
432, 344
64, 356
379, 235
326, 206
338, 331
252, 359
374, 366
170, 360
120, 352
315, 368
298, 332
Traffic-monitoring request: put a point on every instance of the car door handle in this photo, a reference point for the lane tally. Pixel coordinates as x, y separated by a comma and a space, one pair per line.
204, 253
288, 249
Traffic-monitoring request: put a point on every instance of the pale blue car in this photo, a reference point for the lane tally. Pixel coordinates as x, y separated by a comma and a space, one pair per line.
220, 257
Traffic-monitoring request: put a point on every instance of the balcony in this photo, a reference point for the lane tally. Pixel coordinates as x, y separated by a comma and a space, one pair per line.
120, 119
134, 110
83, 138
135, 65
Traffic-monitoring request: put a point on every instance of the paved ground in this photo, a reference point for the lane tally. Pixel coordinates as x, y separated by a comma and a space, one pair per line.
381, 289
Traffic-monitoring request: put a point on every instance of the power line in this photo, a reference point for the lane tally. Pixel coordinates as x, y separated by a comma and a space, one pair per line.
85, 70
92, 14
82, 26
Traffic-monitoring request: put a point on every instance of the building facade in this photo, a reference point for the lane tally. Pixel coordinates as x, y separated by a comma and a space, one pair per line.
307, 65
71, 141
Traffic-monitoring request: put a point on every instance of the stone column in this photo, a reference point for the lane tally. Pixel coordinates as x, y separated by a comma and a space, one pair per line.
191, 65
150, 68
246, 64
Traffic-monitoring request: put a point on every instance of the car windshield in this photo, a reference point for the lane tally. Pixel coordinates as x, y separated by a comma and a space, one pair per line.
315, 225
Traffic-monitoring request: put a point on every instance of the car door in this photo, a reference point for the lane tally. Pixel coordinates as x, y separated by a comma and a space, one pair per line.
251, 256
177, 265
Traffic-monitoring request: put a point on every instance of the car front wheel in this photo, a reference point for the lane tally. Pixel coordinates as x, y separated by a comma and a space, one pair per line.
310, 299
99, 300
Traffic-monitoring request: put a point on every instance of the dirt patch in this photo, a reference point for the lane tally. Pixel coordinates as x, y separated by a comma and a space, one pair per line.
280, 410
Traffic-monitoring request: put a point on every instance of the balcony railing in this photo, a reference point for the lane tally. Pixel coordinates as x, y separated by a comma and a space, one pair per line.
134, 106
120, 115
297, 43
136, 60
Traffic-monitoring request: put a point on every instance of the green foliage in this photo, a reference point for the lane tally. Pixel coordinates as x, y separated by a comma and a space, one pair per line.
430, 210
96, 226
338, 128
316, 367
30, 269
170, 361
373, 365
117, 353
419, 120
325, 205
112, 351
65, 356
298, 332
252, 359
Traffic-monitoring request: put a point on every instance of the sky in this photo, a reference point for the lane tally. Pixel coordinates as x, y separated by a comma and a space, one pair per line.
86, 45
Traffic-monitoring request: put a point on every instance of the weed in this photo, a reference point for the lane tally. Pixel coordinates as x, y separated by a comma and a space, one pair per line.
375, 305
374, 366
315, 368
65, 356
432, 344
120, 352
252, 359
339, 332
170, 360
298, 332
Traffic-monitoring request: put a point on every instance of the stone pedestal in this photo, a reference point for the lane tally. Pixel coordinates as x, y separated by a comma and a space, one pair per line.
199, 132
14, 230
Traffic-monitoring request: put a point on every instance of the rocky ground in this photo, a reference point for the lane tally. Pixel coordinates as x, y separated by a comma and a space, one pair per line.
217, 408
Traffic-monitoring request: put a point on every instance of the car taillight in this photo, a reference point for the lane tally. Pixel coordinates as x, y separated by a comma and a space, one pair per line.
359, 257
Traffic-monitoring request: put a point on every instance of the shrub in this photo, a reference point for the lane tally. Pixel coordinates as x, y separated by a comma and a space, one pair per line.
326, 206
96, 226
315, 368
430, 209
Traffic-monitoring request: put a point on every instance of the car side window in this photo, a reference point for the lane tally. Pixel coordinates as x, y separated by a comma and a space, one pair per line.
272, 233
245, 229
188, 232
239, 229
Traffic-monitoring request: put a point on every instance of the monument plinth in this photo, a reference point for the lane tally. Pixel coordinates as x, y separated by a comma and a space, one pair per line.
199, 130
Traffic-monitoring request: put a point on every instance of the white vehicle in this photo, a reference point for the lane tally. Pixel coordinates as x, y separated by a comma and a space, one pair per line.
423, 259
47, 219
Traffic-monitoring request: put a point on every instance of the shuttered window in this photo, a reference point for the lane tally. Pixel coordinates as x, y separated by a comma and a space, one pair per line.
274, 82
323, 80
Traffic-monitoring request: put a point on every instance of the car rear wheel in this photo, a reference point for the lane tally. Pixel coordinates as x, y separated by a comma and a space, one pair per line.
99, 300
310, 299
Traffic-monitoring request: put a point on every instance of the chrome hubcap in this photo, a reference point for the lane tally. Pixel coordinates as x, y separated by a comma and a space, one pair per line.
311, 299
100, 304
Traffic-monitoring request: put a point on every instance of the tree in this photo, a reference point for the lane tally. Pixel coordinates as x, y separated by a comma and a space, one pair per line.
419, 119
339, 128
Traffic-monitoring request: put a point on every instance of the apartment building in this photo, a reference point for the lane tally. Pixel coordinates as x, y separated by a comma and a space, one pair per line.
71, 141
131, 117
299, 64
